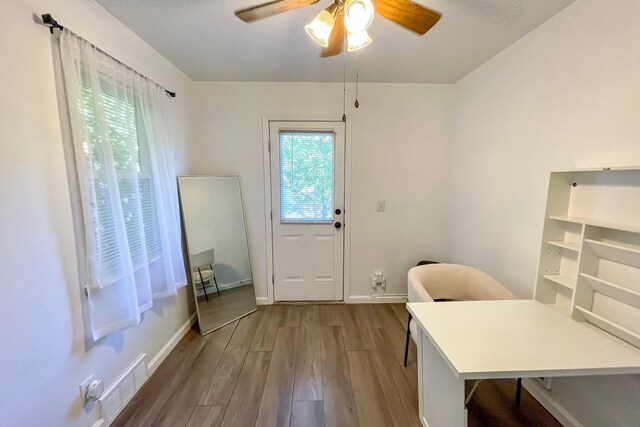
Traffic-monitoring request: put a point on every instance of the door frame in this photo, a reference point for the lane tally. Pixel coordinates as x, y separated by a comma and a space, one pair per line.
266, 166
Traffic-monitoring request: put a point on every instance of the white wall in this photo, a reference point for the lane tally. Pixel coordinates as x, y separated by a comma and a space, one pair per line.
566, 95
43, 357
399, 152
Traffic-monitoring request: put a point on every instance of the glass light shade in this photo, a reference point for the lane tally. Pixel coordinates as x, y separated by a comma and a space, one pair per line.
358, 15
357, 41
320, 28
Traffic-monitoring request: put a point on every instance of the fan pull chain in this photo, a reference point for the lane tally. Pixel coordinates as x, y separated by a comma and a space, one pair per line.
344, 81
357, 104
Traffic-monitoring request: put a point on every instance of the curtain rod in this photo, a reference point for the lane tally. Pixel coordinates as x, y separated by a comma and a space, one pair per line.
48, 21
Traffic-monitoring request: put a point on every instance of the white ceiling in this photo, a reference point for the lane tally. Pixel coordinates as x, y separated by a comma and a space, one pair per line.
205, 40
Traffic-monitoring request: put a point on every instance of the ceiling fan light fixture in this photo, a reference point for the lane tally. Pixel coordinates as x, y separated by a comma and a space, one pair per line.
320, 28
358, 15
358, 40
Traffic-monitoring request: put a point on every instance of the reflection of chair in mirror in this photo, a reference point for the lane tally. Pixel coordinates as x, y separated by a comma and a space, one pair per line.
202, 264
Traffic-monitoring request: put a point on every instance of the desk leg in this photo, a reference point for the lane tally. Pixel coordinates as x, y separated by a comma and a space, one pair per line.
441, 393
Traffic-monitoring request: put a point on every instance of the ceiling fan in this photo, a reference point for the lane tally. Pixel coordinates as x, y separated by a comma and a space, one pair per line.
350, 16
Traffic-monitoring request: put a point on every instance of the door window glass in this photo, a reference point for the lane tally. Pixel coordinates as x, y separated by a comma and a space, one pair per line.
306, 176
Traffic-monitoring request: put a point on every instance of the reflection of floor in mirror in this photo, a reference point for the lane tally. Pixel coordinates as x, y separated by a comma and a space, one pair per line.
231, 304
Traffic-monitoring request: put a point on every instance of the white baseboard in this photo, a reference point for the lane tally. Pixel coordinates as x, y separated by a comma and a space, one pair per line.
549, 403
368, 299
170, 345
356, 299
235, 284
211, 288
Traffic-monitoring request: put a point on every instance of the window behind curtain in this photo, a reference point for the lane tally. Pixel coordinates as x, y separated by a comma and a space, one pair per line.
116, 128
132, 163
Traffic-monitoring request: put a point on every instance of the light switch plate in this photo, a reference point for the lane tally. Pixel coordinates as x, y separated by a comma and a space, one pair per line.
381, 206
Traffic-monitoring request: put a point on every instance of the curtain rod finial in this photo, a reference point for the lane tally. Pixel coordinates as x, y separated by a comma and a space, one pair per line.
48, 20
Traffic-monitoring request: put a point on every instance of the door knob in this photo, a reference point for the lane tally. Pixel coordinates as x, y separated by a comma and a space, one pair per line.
338, 211
337, 225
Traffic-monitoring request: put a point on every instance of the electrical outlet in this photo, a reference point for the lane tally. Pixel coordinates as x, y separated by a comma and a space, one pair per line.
381, 206
377, 279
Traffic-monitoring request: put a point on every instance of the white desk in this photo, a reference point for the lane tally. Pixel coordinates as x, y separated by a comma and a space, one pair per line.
504, 339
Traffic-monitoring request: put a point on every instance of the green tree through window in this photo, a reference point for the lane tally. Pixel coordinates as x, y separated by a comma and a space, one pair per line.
130, 156
306, 176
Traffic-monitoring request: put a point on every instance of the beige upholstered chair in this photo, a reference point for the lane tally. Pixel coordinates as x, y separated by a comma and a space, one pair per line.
446, 282
438, 282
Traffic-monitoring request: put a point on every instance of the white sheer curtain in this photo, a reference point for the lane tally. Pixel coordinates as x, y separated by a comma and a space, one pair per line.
124, 163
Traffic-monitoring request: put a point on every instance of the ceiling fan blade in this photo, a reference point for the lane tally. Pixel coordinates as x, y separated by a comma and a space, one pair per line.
336, 39
266, 10
408, 14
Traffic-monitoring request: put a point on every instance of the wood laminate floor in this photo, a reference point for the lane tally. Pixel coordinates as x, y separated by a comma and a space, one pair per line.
306, 366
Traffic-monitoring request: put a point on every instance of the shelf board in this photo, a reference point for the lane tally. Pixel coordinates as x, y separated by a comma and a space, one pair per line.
609, 326
615, 252
572, 246
565, 281
601, 169
612, 290
597, 223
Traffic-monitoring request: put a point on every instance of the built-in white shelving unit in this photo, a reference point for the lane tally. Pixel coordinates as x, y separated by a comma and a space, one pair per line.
590, 256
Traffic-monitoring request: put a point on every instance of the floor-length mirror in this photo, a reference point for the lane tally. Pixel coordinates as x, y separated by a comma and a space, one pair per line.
217, 249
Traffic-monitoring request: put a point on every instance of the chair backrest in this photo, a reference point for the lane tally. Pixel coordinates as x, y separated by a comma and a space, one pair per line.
457, 282
202, 259
484, 287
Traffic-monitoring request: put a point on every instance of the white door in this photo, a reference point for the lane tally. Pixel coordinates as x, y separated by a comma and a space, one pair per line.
307, 202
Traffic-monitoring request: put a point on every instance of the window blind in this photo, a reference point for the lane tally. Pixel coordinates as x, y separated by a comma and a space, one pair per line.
306, 176
130, 152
